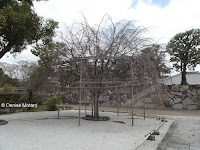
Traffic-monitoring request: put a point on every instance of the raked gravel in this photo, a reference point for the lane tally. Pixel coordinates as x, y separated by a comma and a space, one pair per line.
42, 131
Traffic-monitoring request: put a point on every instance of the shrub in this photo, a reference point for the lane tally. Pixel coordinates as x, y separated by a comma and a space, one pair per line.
52, 102
10, 98
8, 88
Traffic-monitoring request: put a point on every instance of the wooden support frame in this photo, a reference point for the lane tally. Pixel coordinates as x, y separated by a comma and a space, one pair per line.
132, 100
118, 100
86, 102
86, 84
80, 96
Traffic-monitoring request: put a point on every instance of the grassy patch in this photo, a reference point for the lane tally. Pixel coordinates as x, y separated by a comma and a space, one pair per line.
66, 107
38, 108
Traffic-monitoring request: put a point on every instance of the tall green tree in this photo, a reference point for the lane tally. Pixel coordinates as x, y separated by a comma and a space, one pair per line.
185, 51
21, 26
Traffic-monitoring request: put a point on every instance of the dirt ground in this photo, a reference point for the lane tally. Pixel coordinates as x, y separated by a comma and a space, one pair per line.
148, 112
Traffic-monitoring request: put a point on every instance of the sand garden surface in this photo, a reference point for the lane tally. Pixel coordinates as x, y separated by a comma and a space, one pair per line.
43, 131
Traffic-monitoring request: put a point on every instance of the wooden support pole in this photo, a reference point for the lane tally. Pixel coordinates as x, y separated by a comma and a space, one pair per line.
93, 107
80, 95
132, 105
96, 106
58, 108
144, 103
59, 101
118, 98
86, 102
144, 110
132, 101
147, 136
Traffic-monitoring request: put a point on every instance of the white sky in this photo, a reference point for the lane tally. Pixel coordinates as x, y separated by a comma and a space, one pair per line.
162, 20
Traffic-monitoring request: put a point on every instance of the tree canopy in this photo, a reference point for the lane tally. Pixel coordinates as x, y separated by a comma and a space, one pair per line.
21, 26
185, 51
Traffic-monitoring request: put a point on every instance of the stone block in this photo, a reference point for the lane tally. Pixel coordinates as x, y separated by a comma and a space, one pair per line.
177, 106
192, 106
150, 105
184, 88
106, 104
157, 100
183, 96
113, 104
123, 91
189, 95
194, 98
169, 102
187, 101
138, 104
122, 104
175, 88
171, 96
194, 93
198, 91
147, 100
198, 105
198, 98
104, 98
176, 93
127, 102
177, 100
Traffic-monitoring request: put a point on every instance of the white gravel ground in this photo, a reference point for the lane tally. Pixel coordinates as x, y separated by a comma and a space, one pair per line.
42, 131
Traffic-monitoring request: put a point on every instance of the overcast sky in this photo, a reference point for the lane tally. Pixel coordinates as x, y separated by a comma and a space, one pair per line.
163, 18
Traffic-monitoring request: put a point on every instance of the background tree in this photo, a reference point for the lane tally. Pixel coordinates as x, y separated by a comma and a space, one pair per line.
157, 57
185, 51
20, 70
21, 26
6, 80
44, 78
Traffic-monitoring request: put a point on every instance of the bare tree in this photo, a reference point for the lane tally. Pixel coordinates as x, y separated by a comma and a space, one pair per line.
101, 56
100, 45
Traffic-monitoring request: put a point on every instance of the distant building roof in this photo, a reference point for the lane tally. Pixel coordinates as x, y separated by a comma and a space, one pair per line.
192, 78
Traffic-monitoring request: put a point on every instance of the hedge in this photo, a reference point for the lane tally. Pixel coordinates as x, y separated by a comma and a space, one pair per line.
12, 98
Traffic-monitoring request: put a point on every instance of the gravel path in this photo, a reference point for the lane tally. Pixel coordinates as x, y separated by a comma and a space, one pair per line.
184, 134
42, 131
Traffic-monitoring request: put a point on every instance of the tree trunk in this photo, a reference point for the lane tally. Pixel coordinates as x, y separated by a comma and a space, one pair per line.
30, 98
96, 110
5, 50
184, 82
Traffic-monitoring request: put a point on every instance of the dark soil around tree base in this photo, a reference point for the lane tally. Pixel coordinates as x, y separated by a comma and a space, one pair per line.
101, 118
3, 122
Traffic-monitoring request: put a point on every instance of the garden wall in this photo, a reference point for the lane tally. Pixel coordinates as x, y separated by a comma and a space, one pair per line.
183, 97
175, 97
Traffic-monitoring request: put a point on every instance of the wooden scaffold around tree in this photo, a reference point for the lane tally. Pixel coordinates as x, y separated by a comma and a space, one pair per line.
100, 80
